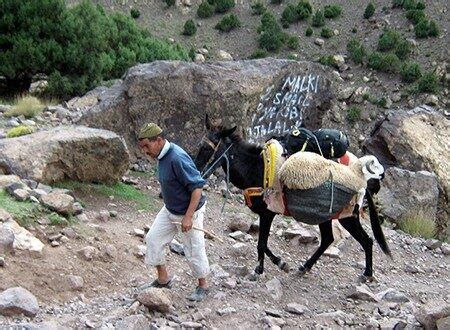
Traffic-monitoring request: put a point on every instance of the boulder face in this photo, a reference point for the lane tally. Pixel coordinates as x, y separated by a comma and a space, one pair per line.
264, 97
416, 140
77, 153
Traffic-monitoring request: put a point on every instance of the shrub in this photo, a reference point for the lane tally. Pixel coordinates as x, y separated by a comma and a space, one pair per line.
426, 28
420, 5
433, 30
415, 16
276, 2
205, 10
304, 9
170, 3
326, 60
292, 42
383, 62
135, 13
289, 15
228, 23
353, 114
19, 131
428, 83
326, 32
355, 29
409, 4
370, 10
259, 53
388, 40
410, 72
28, 106
57, 220
258, 8
418, 224
318, 19
189, 28
403, 49
397, 3
222, 6
309, 31
332, 11
271, 36
357, 51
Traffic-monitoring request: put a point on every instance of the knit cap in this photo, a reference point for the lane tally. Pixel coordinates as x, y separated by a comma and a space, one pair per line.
149, 131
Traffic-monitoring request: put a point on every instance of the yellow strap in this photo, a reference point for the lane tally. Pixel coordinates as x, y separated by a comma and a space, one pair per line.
304, 145
270, 157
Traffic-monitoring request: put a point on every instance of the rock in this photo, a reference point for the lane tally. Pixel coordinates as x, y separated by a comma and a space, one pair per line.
229, 283
74, 283
155, 299
237, 235
362, 292
176, 247
302, 235
2, 262
240, 249
365, 79
17, 300
199, 58
38, 87
358, 95
113, 214
191, 325
140, 251
226, 311
60, 203
6, 180
203, 51
102, 216
134, 322
338, 316
6, 240
319, 42
20, 194
138, 232
240, 222
345, 93
4, 216
273, 312
66, 153
38, 193
275, 288
238, 270
224, 56
432, 100
332, 252
109, 252
443, 324
422, 197
411, 269
23, 239
296, 309
445, 248
432, 243
392, 295
88, 253
429, 315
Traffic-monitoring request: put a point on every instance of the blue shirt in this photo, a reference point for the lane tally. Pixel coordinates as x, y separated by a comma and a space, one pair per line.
178, 177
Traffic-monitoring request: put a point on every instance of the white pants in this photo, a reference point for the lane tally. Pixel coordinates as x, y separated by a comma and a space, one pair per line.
163, 231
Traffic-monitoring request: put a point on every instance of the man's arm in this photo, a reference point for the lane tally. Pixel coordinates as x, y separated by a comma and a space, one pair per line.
186, 223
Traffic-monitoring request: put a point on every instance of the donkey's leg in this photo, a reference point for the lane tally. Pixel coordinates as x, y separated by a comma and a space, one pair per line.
326, 238
283, 265
353, 226
265, 222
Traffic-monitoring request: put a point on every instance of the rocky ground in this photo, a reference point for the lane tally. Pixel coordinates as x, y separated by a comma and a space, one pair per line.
76, 290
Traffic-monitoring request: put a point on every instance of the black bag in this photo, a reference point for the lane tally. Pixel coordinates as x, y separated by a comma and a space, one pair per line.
330, 143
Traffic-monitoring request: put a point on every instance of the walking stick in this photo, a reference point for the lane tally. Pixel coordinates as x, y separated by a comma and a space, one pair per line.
203, 230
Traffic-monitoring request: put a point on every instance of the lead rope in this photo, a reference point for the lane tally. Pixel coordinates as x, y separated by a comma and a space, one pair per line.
332, 193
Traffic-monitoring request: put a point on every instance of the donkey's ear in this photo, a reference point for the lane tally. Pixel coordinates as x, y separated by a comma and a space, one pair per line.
207, 122
228, 132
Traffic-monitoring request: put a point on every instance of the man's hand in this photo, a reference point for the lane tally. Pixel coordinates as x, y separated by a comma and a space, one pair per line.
186, 223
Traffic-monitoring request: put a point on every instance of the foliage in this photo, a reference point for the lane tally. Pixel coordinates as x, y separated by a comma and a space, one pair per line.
258, 8
415, 15
369, 11
292, 42
326, 32
383, 62
397, 3
289, 15
309, 31
205, 10
318, 19
326, 60
356, 50
189, 28
304, 9
388, 40
410, 72
222, 6
135, 13
57, 220
271, 36
276, 2
418, 224
428, 83
228, 23
332, 11
28, 106
22, 212
19, 131
170, 3
426, 28
259, 53
353, 114
403, 49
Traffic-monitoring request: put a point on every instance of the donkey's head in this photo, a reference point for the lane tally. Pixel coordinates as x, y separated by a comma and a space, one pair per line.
212, 145
371, 168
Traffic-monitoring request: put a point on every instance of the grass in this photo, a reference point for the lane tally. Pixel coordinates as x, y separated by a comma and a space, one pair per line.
418, 225
25, 213
118, 190
19, 131
28, 106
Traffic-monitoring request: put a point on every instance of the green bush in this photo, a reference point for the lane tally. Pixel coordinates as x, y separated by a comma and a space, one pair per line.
222, 6
189, 28
276, 2
403, 49
326, 60
410, 72
356, 50
428, 83
258, 8
205, 10
355, 29
326, 32
170, 3
409, 4
415, 16
304, 9
383, 62
259, 53
418, 225
228, 23
292, 42
433, 30
388, 40
332, 11
353, 114
289, 15
426, 28
28, 106
271, 36
420, 5
19, 131
309, 31
370, 10
397, 3
135, 13
318, 19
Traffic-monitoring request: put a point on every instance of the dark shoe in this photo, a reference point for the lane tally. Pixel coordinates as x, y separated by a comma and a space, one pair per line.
198, 295
156, 284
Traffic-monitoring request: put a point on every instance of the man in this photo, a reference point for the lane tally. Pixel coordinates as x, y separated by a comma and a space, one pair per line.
181, 187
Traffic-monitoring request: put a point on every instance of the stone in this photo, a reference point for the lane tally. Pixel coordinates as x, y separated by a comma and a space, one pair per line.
237, 235
17, 300
392, 295
60, 203
433, 244
4, 215
74, 283
155, 299
102, 216
240, 249
224, 56
275, 288
362, 292
134, 322
430, 314
319, 42
139, 251
199, 58
88, 253
432, 100
229, 283
176, 247
138, 232
6, 180
295, 308
226, 311
2, 262
239, 222
6, 240
23, 239
20, 194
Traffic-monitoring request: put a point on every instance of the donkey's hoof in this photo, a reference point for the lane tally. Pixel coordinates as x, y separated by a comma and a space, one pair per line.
366, 278
284, 267
253, 276
302, 270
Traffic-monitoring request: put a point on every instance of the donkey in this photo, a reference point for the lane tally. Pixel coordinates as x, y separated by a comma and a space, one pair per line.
246, 169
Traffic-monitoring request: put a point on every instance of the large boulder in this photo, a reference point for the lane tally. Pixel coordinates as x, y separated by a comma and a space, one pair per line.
416, 140
67, 152
15, 301
264, 96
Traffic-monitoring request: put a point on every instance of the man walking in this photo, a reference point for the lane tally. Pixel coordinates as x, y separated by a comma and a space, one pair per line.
181, 187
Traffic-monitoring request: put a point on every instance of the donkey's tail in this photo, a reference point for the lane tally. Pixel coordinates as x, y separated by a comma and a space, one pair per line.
376, 226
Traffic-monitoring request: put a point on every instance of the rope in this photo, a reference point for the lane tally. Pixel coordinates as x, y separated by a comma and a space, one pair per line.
332, 193
217, 160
